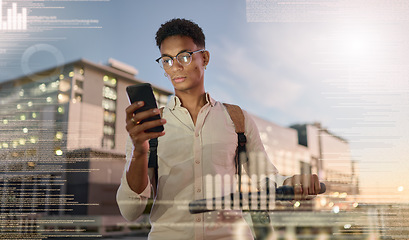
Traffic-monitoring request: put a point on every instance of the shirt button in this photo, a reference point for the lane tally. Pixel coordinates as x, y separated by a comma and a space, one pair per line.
198, 219
197, 162
198, 190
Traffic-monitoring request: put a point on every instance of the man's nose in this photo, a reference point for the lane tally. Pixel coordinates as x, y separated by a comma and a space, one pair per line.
176, 64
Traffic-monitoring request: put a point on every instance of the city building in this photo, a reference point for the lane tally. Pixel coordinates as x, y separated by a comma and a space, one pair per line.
331, 158
62, 139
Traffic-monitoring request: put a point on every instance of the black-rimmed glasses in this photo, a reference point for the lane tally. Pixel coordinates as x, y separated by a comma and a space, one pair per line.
184, 58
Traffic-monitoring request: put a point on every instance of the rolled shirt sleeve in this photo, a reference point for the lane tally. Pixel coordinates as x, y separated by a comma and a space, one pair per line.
131, 204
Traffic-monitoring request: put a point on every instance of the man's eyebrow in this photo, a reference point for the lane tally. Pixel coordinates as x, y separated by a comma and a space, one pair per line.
167, 55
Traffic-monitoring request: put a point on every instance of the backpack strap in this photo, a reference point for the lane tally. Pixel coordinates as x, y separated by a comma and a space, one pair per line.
237, 116
153, 161
259, 218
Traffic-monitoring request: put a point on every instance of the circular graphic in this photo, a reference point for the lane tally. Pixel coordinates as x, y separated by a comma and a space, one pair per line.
29, 52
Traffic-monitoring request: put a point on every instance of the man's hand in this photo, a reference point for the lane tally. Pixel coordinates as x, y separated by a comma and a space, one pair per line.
306, 186
137, 130
137, 170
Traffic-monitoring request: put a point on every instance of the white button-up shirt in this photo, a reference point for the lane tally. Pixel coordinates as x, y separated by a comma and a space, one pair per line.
195, 162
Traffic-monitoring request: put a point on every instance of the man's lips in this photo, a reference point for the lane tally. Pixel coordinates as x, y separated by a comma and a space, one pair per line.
179, 79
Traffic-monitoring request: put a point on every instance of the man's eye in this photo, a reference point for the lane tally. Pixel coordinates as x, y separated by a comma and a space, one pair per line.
167, 61
184, 58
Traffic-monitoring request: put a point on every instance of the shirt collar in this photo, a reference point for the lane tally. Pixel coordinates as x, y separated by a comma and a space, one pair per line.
175, 102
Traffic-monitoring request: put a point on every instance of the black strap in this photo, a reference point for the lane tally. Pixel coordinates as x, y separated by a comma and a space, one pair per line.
241, 154
153, 160
153, 153
241, 146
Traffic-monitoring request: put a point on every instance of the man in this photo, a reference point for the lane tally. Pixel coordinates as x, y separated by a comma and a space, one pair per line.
200, 141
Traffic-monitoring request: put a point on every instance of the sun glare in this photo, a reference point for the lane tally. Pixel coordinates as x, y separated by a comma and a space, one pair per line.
356, 45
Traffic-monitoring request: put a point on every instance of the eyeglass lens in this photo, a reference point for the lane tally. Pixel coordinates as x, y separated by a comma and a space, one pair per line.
183, 58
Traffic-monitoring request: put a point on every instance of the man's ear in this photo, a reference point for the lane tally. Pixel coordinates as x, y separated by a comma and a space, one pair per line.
206, 58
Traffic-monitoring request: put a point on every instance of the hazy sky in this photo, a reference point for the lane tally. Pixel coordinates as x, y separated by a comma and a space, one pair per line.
342, 63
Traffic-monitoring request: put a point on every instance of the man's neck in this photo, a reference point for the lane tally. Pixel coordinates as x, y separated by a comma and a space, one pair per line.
192, 102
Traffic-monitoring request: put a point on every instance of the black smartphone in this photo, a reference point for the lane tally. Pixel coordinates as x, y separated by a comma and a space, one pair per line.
144, 92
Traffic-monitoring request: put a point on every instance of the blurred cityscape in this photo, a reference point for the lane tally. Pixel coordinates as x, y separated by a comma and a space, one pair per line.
62, 154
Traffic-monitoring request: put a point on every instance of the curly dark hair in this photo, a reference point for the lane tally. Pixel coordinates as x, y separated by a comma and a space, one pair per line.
181, 27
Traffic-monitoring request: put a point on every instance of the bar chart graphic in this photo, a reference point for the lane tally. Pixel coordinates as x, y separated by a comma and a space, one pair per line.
12, 18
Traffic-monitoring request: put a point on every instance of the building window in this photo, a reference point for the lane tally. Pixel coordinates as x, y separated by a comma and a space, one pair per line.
108, 143
109, 117
109, 105
79, 85
109, 93
77, 97
108, 81
65, 85
63, 98
108, 130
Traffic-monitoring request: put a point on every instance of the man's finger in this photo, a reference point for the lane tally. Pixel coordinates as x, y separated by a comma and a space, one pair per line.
132, 108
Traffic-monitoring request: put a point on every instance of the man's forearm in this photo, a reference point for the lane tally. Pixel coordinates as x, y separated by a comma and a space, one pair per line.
137, 172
